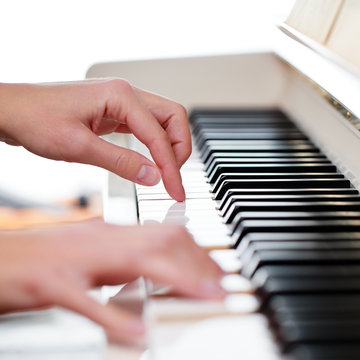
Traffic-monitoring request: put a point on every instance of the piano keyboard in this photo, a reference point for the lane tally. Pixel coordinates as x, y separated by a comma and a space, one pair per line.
271, 208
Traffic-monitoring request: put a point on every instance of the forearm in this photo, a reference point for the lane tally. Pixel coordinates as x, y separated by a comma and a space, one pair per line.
17, 107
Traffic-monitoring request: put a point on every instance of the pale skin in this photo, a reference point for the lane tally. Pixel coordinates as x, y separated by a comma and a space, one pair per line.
57, 265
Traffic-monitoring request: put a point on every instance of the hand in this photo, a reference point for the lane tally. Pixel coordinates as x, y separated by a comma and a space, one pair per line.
63, 122
55, 266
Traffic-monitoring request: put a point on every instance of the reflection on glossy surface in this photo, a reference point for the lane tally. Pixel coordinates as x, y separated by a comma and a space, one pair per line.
218, 338
49, 334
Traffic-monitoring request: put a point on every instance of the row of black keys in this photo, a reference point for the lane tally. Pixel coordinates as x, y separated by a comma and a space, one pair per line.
295, 221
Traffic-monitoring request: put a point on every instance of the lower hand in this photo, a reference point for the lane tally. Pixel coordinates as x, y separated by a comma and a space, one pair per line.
56, 266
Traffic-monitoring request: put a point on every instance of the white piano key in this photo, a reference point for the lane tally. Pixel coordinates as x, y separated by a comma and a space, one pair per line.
228, 260
206, 233
173, 309
216, 229
188, 186
189, 214
166, 196
181, 216
213, 242
193, 224
147, 211
173, 205
216, 338
236, 283
194, 174
194, 189
194, 164
194, 167
196, 204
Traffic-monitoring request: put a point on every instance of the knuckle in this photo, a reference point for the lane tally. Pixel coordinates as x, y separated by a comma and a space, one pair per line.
180, 110
160, 138
123, 162
121, 85
35, 286
120, 161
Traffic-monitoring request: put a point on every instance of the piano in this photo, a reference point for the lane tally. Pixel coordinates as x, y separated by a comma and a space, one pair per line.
272, 193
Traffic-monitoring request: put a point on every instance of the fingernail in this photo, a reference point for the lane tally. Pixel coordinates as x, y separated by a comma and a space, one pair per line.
213, 288
148, 175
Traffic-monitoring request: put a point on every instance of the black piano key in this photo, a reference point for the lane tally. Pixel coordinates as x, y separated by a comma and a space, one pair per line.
289, 215
253, 116
280, 308
275, 175
241, 127
203, 138
246, 254
313, 302
234, 192
325, 351
244, 131
309, 285
297, 206
247, 125
206, 120
326, 236
314, 178
289, 257
259, 142
305, 271
223, 185
240, 131
254, 145
314, 248
313, 319
268, 226
269, 168
263, 155
330, 332
268, 160
302, 315
236, 199
258, 148
292, 272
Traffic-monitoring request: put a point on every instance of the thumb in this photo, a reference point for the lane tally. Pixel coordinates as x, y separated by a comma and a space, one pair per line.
123, 162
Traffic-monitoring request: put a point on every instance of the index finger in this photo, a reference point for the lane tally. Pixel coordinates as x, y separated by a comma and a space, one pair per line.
147, 129
173, 119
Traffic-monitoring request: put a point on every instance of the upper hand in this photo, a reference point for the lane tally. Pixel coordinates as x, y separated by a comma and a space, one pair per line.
63, 122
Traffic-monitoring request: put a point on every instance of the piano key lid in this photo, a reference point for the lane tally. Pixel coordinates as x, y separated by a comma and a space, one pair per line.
322, 43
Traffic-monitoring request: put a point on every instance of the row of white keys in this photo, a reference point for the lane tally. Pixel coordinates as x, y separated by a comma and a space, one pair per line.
193, 329
197, 213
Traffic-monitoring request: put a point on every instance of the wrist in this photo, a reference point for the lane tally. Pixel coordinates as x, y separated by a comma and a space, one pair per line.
11, 103
5, 103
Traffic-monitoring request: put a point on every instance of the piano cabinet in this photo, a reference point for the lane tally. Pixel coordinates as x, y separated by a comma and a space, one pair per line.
314, 94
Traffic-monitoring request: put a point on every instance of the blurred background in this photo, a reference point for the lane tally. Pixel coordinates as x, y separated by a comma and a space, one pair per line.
46, 41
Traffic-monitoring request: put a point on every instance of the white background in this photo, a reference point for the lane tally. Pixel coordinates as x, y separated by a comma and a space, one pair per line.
52, 40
